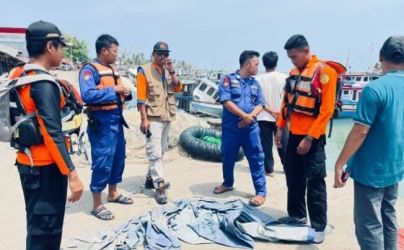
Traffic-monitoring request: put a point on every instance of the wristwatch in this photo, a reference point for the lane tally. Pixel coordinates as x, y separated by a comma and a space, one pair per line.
309, 138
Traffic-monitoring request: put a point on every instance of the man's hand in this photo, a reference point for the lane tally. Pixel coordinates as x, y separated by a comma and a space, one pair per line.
275, 114
169, 64
338, 183
278, 138
76, 186
246, 121
304, 146
144, 125
119, 89
126, 92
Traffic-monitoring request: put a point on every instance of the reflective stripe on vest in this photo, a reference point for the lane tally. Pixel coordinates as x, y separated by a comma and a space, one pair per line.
108, 78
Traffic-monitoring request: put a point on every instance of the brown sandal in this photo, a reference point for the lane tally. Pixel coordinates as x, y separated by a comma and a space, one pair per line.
222, 189
257, 201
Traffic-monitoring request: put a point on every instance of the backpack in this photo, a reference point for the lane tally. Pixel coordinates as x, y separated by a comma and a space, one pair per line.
71, 118
22, 129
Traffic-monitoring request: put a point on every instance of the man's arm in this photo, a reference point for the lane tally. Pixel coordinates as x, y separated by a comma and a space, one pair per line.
365, 115
352, 144
141, 99
226, 100
328, 80
355, 139
233, 108
280, 121
50, 121
259, 102
50, 125
88, 88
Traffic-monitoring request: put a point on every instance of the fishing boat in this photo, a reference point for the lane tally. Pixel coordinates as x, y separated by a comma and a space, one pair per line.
199, 96
353, 84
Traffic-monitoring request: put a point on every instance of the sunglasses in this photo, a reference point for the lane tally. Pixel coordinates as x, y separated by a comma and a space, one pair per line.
163, 54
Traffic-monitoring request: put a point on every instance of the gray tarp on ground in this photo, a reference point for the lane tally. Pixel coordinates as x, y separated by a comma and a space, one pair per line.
203, 221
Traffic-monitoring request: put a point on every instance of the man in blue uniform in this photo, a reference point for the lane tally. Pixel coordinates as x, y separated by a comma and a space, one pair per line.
104, 94
242, 100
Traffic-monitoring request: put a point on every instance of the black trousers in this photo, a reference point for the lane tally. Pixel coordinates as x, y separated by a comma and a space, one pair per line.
267, 133
45, 192
307, 172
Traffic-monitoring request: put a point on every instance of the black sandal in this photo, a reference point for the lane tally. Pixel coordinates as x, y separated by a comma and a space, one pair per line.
103, 213
122, 200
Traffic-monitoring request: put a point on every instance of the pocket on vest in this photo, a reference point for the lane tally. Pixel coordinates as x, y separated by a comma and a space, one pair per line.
153, 110
154, 93
172, 105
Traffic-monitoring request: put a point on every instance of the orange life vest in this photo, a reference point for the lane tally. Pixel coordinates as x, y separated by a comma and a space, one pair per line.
108, 78
303, 89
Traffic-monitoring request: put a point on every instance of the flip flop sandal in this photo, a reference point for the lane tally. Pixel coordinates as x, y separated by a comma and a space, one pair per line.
256, 201
122, 200
103, 213
222, 189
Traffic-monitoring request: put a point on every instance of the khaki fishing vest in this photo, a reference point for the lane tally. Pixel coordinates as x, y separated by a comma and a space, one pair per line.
160, 95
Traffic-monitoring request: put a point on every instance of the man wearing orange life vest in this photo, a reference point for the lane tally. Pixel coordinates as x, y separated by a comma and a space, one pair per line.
308, 107
43, 159
104, 94
156, 84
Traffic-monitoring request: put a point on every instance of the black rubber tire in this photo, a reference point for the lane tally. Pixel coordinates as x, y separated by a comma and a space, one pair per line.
191, 141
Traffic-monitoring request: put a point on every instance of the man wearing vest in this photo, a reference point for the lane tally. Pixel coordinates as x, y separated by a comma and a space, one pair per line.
43, 159
308, 109
156, 84
104, 94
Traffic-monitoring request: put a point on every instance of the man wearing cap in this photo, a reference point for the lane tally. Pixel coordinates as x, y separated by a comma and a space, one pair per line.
374, 151
156, 84
43, 159
104, 94
308, 114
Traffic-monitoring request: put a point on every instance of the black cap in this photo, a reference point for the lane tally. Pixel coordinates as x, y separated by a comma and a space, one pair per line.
41, 31
296, 42
393, 49
161, 47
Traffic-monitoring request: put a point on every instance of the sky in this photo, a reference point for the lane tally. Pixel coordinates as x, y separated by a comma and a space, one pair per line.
213, 33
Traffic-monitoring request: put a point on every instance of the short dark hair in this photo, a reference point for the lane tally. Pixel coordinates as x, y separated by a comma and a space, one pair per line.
105, 41
247, 55
296, 42
270, 60
37, 47
393, 50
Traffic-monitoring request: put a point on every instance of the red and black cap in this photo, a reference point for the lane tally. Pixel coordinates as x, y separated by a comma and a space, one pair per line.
41, 31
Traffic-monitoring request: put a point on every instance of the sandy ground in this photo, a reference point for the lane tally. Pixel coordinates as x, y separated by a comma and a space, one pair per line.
189, 178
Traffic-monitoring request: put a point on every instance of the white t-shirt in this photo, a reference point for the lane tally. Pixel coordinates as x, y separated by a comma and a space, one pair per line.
272, 84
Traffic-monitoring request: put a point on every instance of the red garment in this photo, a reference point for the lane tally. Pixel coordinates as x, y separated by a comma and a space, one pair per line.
401, 239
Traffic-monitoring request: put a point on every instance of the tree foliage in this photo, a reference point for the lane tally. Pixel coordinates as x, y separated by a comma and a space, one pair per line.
78, 52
